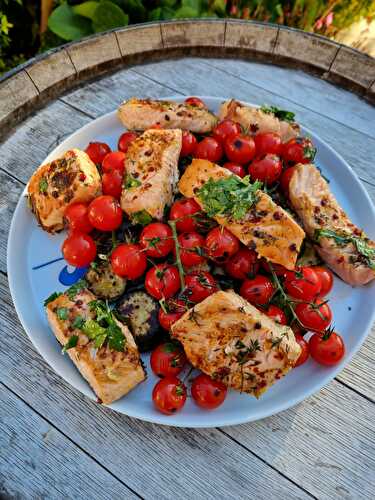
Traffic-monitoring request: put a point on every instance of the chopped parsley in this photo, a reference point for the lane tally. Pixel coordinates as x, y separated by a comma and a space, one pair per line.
52, 297
131, 182
76, 288
78, 322
72, 342
62, 313
231, 197
43, 185
247, 352
142, 217
281, 114
342, 239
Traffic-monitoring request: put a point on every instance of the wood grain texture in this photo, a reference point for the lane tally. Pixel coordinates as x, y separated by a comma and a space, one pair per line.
358, 68
15, 93
55, 69
37, 461
257, 37
193, 33
155, 461
134, 41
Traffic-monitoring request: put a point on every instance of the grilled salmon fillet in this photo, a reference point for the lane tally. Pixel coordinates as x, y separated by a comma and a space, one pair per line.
342, 245
256, 121
69, 179
111, 373
151, 172
266, 227
232, 341
141, 114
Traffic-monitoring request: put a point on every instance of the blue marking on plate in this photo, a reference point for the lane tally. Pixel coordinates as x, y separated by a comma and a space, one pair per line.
39, 266
69, 278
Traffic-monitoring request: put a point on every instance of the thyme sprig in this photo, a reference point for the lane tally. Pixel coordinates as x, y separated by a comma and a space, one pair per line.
181, 272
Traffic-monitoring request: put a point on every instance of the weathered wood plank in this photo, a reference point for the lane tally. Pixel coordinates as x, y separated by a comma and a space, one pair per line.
155, 461
37, 461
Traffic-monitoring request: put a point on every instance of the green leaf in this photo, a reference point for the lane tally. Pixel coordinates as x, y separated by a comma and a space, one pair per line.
186, 12
281, 114
168, 3
67, 25
76, 288
43, 185
62, 313
142, 217
86, 9
92, 329
131, 182
116, 339
78, 322
107, 16
218, 6
135, 9
72, 342
52, 297
192, 4
155, 14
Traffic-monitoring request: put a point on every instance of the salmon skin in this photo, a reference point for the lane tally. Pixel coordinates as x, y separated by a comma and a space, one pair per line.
141, 114
255, 121
111, 373
342, 245
232, 341
151, 172
265, 228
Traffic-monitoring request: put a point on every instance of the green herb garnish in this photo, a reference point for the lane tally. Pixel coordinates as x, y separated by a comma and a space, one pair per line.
78, 322
43, 185
142, 217
62, 313
231, 197
131, 182
281, 114
76, 288
244, 355
72, 342
52, 297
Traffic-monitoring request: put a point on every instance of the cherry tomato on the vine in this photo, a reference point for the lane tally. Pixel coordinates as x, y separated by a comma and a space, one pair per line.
209, 149
278, 269
175, 309
302, 283
77, 218
258, 290
183, 211
112, 183
243, 264
195, 101
327, 349
162, 281
235, 168
305, 351
285, 179
79, 249
316, 316
105, 213
125, 140
276, 314
191, 249
128, 260
326, 280
266, 168
240, 148
167, 360
298, 150
225, 129
114, 161
97, 151
221, 244
169, 395
207, 392
157, 239
189, 143
268, 142
199, 286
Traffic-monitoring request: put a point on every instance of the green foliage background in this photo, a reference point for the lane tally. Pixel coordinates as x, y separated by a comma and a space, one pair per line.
20, 36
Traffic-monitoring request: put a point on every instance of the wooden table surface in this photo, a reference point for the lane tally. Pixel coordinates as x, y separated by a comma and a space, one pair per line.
55, 443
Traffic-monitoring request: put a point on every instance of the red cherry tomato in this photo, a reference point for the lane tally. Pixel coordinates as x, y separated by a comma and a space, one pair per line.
269, 142
298, 150
105, 213
302, 283
169, 395
235, 168
167, 360
327, 349
285, 179
240, 148
191, 249
157, 239
316, 317
195, 101
278, 269
182, 211
208, 393
162, 281
125, 140
97, 151
129, 261
209, 149
305, 351
189, 143
221, 244
243, 264
199, 286
114, 161
326, 280
77, 218
258, 290
79, 249
267, 169
175, 309
112, 183
224, 129
277, 314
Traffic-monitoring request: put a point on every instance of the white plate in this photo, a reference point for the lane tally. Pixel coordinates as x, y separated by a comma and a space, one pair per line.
29, 247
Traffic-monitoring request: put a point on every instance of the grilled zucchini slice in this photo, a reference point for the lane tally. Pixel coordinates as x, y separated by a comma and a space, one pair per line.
103, 282
139, 312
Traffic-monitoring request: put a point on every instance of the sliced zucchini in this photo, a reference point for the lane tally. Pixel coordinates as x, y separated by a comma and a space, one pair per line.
103, 282
139, 312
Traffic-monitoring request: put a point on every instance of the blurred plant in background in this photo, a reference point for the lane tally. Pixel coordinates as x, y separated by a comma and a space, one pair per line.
28, 27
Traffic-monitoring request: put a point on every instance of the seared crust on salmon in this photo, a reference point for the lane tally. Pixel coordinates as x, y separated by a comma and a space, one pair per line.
151, 172
141, 114
256, 121
70, 179
232, 341
111, 373
266, 228
343, 249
